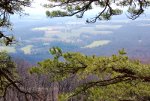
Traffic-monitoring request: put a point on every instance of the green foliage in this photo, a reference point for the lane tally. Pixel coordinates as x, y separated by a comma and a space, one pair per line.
56, 51
134, 12
77, 7
7, 8
106, 8
57, 13
10, 81
116, 77
7, 72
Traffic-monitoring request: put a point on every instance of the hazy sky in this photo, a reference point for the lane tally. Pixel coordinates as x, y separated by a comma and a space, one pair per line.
36, 7
37, 33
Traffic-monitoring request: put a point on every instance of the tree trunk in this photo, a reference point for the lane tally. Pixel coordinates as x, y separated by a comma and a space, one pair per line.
55, 91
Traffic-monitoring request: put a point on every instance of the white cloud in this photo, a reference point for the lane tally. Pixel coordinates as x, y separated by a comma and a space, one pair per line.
140, 41
8, 49
42, 39
101, 32
51, 33
41, 29
144, 25
97, 44
120, 21
90, 30
46, 44
144, 19
114, 21
47, 28
68, 34
27, 49
37, 7
75, 23
65, 32
61, 32
108, 27
47, 40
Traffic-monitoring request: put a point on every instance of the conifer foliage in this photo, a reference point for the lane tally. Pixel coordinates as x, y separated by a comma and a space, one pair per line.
115, 78
106, 8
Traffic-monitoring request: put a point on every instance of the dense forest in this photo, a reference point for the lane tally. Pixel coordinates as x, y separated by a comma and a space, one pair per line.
73, 76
